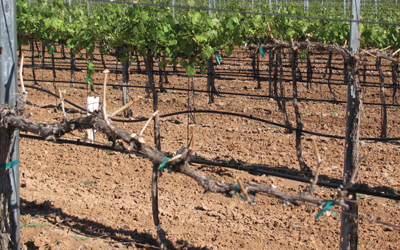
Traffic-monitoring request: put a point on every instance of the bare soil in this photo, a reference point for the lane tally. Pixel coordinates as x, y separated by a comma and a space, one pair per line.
75, 197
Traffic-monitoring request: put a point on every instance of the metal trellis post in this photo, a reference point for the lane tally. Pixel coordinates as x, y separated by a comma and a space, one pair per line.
173, 8
8, 88
349, 227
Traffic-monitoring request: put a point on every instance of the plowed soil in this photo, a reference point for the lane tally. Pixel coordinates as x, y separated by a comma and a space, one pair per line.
75, 197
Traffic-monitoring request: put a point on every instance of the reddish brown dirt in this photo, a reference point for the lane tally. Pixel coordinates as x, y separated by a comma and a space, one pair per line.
75, 197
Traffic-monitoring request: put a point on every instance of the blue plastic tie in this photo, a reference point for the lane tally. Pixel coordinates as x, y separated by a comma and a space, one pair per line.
262, 51
86, 79
10, 164
237, 190
164, 164
327, 206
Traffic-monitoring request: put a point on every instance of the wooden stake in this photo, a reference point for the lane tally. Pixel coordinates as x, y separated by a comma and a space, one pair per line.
147, 123
122, 108
108, 122
242, 189
21, 67
395, 53
270, 31
319, 163
62, 105
21, 78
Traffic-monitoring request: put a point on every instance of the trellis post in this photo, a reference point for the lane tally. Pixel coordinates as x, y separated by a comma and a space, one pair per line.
9, 140
349, 226
88, 10
173, 8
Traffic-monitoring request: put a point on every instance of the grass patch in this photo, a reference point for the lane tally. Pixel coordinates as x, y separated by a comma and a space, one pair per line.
360, 196
90, 182
80, 238
34, 225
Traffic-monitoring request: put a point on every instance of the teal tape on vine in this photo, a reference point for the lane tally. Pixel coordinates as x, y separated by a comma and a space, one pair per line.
10, 164
237, 190
262, 51
327, 206
164, 164
194, 93
219, 58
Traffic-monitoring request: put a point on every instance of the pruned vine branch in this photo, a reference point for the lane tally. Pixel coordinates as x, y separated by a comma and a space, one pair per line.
12, 118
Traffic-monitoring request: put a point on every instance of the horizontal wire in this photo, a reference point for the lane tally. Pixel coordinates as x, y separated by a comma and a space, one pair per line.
231, 114
218, 93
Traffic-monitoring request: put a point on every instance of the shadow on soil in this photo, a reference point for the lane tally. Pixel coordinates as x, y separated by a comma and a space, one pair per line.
235, 164
94, 229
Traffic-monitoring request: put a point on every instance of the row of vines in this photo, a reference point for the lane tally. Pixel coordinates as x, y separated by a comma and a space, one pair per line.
185, 37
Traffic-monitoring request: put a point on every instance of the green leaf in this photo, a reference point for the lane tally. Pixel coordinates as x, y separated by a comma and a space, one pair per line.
190, 70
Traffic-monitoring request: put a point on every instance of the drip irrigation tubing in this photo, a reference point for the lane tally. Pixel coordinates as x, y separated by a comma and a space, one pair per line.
250, 117
218, 93
50, 93
294, 178
231, 166
335, 82
247, 73
225, 113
